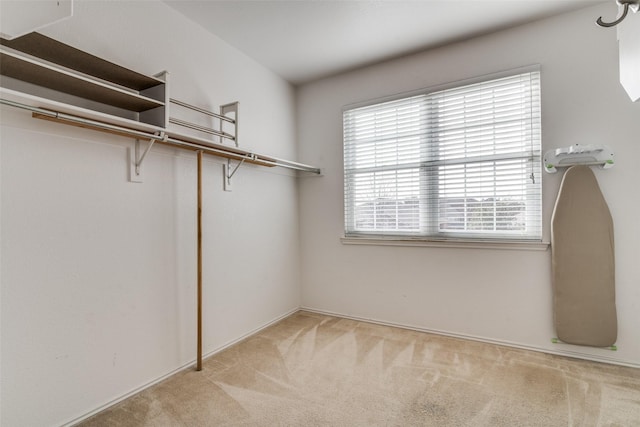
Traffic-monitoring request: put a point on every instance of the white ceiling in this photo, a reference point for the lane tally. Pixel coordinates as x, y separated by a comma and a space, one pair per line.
305, 40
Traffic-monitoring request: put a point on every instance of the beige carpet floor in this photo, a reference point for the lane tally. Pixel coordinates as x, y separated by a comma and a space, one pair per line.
316, 370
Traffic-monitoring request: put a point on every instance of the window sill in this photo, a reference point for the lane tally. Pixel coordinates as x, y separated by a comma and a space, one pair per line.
457, 243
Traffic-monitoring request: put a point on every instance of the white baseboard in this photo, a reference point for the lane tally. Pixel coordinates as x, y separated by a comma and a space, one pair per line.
191, 363
181, 368
565, 351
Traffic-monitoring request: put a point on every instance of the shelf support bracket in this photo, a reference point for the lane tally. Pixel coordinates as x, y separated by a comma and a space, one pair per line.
224, 111
136, 161
228, 173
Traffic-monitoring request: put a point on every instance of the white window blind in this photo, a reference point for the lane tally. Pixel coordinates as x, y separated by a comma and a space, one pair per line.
456, 163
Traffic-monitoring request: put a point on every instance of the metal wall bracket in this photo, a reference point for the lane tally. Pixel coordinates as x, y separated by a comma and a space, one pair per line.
135, 160
228, 173
224, 112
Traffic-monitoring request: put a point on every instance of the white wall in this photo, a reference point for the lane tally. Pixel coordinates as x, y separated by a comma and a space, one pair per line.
98, 274
497, 295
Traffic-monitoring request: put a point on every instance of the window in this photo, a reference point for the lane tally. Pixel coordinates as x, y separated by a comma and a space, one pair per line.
463, 163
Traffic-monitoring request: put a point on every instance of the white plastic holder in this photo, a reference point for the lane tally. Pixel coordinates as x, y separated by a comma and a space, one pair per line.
577, 154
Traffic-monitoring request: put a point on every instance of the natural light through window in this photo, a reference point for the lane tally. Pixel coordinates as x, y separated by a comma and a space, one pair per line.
457, 163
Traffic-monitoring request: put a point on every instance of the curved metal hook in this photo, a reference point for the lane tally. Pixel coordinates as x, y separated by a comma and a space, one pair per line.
617, 21
634, 5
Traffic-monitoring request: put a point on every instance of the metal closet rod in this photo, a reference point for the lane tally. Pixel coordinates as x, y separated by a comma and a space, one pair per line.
234, 153
202, 128
201, 110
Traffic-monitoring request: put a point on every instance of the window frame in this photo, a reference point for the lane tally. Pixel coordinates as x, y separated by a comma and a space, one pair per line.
429, 238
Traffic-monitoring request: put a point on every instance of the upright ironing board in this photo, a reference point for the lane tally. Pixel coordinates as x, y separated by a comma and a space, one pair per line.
583, 269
